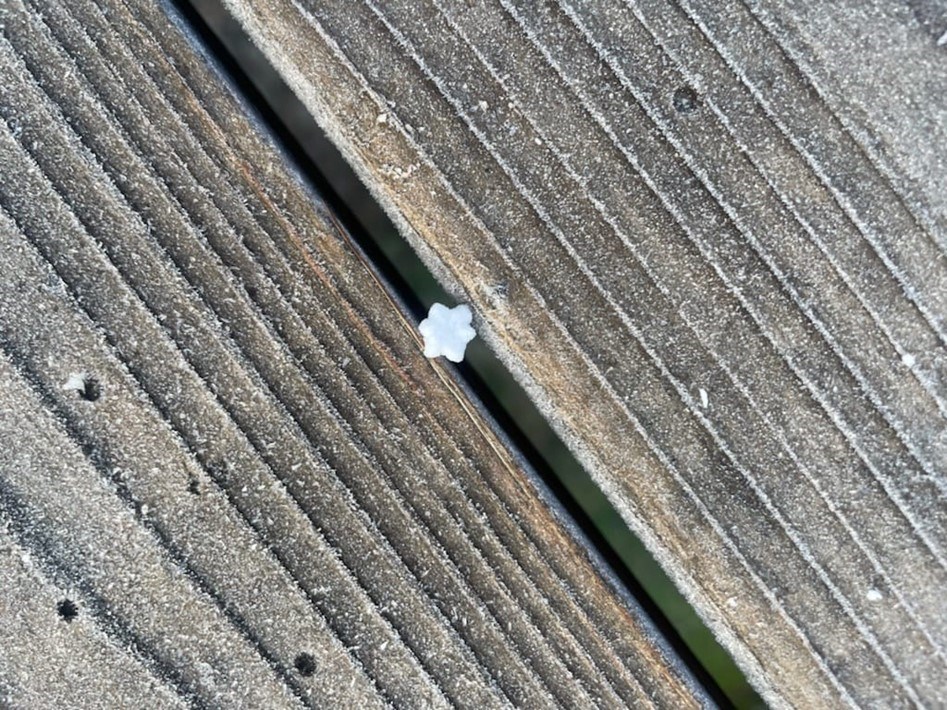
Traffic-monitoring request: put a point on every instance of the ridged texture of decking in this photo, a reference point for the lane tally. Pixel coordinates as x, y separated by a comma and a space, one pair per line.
709, 238
220, 441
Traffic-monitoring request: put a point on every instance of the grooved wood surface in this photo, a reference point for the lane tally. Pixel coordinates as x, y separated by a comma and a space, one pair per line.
708, 238
219, 438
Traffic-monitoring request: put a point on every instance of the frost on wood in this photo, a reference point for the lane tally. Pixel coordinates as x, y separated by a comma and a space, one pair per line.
651, 181
447, 331
75, 383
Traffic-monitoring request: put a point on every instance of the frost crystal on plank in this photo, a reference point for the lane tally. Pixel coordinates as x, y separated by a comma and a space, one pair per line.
447, 331
75, 383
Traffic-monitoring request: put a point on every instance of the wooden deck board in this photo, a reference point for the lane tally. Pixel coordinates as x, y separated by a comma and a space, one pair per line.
87, 660
708, 238
260, 464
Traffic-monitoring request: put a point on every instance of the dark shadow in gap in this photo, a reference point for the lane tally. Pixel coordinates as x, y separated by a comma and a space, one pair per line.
507, 403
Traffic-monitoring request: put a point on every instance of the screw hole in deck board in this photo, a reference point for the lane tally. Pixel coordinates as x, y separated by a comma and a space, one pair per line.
305, 664
91, 390
685, 100
67, 610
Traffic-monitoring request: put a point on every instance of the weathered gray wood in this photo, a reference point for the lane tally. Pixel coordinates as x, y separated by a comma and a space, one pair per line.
708, 238
220, 440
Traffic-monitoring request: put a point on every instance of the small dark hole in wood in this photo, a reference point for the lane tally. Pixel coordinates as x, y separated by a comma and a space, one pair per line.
91, 389
67, 610
685, 100
305, 664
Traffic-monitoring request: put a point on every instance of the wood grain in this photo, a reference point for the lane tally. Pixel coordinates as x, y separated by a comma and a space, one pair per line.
262, 494
708, 238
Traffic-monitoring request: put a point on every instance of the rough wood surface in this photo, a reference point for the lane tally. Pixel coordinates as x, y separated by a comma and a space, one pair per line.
709, 239
219, 439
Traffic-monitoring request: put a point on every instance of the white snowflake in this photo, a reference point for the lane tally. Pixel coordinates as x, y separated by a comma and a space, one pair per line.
447, 331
